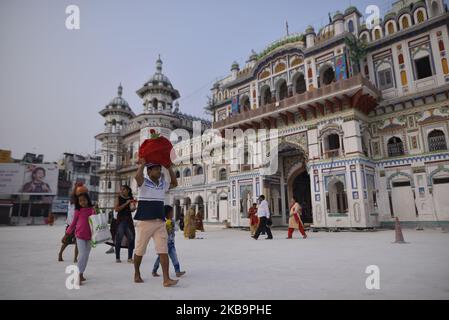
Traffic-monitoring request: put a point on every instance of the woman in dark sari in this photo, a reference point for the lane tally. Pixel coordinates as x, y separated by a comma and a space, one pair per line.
124, 223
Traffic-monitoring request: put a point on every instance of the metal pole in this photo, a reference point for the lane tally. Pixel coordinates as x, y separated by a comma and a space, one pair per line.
22, 163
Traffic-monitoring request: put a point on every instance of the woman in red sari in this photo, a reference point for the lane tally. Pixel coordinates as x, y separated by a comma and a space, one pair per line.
253, 219
295, 219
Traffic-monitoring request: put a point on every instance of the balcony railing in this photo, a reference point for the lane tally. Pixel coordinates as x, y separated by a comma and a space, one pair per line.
332, 153
395, 150
187, 181
437, 143
198, 180
299, 99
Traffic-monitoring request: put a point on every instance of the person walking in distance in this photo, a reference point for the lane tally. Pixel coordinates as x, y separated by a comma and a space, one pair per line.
253, 219
150, 217
294, 222
263, 213
125, 223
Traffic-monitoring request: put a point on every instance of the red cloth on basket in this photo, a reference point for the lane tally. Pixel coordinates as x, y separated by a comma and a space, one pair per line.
157, 150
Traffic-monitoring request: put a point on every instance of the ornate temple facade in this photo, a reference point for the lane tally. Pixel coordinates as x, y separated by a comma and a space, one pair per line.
361, 112
362, 115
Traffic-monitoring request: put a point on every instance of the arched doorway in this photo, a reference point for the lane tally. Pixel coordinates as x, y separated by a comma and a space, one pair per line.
403, 199
298, 179
337, 199
199, 204
301, 190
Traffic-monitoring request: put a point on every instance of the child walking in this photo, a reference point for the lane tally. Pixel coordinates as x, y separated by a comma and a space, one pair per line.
80, 224
66, 241
170, 225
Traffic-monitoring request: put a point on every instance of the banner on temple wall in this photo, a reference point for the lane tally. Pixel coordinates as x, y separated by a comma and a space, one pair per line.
341, 70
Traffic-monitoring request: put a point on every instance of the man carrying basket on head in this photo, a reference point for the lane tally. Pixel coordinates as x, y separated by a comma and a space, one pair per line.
150, 215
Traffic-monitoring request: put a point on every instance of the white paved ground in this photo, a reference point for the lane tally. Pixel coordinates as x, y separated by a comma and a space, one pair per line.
228, 264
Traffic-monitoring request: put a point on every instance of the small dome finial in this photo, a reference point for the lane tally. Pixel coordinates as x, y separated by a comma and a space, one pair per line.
159, 64
120, 90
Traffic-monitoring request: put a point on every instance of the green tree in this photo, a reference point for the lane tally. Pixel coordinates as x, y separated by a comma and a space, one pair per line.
357, 51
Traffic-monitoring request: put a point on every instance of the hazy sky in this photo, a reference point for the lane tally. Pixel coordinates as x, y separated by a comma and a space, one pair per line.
54, 81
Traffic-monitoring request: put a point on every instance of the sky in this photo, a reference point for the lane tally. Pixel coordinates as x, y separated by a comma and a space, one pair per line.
54, 81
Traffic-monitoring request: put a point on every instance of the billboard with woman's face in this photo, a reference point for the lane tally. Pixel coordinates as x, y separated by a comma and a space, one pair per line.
32, 179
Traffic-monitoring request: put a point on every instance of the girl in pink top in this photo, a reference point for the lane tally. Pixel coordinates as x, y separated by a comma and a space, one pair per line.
80, 223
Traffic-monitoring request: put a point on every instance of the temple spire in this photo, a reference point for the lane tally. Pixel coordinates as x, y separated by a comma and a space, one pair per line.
159, 64
120, 90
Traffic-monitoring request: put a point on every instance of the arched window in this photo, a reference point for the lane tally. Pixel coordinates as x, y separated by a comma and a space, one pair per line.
435, 8
405, 23
187, 173
385, 76
420, 16
154, 103
327, 76
351, 26
390, 28
377, 34
283, 90
223, 175
395, 147
437, 141
332, 145
266, 96
300, 84
245, 103
199, 171
178, 174
336, 198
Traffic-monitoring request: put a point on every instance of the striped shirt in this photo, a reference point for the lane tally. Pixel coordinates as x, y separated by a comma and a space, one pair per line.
151, 200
